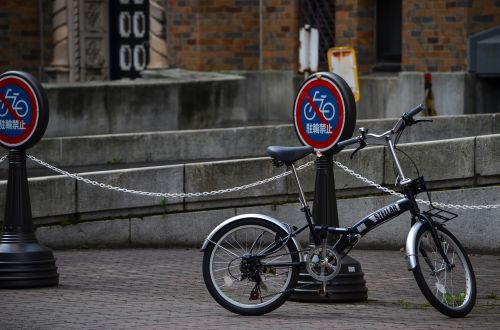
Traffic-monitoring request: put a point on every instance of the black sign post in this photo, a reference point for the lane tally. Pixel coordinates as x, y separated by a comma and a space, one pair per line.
24, 115
325, 114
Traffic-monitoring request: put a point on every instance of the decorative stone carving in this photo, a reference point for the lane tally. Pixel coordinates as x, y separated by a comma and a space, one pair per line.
94, 40
80, 34
81, 39
93, 16
75, 55
93, 52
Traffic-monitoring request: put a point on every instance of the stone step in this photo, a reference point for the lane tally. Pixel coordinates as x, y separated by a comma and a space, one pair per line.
117, 151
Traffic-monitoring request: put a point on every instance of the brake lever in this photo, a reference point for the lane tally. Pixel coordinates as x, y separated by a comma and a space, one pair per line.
362, 144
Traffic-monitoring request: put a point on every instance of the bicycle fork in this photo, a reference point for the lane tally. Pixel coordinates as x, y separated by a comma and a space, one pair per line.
411, 252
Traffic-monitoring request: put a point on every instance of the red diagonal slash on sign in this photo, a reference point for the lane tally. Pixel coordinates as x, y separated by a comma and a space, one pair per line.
9, 107
316, 110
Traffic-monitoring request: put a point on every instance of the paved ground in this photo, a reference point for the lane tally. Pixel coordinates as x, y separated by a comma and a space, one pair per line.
164, 289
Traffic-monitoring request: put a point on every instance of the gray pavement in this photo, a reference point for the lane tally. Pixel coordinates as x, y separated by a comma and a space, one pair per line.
164, 289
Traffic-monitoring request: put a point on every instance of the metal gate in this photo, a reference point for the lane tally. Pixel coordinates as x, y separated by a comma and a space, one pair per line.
320, 14
128, 39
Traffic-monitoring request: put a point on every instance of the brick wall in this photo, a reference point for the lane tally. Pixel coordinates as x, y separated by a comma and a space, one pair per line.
281, 34
435, 32
355, 27
20, 35
225, 34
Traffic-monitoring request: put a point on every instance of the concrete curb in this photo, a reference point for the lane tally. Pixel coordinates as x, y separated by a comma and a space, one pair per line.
478, 230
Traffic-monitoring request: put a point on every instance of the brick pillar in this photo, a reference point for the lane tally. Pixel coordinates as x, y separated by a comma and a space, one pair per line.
355, 27
59, 68
80, 33
435, 32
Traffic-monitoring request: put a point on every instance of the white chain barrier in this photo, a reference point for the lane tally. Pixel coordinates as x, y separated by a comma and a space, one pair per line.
167, 195
395, 193
250, 185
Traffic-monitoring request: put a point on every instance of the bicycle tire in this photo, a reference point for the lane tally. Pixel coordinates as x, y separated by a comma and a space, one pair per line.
222, 267
451, 291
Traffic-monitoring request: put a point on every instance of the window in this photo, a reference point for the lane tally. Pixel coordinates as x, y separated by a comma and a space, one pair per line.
388, 35
320, 14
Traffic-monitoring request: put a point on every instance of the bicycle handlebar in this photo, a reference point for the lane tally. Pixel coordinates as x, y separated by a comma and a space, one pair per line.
348, 142
413, 111
406, 120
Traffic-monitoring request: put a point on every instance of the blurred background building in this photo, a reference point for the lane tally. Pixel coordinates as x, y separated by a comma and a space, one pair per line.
86, 40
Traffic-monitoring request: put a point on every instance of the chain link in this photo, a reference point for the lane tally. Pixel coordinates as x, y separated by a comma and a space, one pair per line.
250, 185
367, 181
395, 193
167, 195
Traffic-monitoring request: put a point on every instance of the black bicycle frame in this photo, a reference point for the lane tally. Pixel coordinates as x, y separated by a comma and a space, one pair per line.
349, 235
370, 222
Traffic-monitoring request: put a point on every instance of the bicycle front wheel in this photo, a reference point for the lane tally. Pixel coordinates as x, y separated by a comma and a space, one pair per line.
451, 290
241, 276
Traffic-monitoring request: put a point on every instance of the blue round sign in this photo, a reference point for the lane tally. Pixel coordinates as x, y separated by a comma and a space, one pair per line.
22, 104
323, 111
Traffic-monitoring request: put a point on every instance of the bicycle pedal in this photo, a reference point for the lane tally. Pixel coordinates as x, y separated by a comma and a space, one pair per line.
323, 293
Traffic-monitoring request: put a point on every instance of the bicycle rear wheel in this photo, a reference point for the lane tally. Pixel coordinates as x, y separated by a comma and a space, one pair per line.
237, 275
452, 291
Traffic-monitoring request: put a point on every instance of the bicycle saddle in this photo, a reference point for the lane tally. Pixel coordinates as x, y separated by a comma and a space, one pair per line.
288, 155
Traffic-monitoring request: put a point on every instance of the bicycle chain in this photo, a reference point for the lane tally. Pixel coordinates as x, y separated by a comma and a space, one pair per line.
250, 185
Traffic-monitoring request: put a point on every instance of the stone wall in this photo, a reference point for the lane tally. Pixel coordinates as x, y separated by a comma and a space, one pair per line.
72, 213
244, 99
107, 152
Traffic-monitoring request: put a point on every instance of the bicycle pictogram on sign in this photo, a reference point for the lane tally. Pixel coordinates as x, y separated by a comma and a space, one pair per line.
19, 111
319, 114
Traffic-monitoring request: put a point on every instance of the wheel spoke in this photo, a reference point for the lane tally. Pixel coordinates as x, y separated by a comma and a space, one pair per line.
228, 251
448, 287
225, 268
243, 244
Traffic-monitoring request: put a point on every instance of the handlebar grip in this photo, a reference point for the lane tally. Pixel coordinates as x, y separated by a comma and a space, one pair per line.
415, 110
348, 142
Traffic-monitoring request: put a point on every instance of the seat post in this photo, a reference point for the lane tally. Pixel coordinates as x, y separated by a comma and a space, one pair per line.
302, 197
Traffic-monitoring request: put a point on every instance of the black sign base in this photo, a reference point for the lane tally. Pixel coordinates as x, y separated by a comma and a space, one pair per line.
349, 285
24, 263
